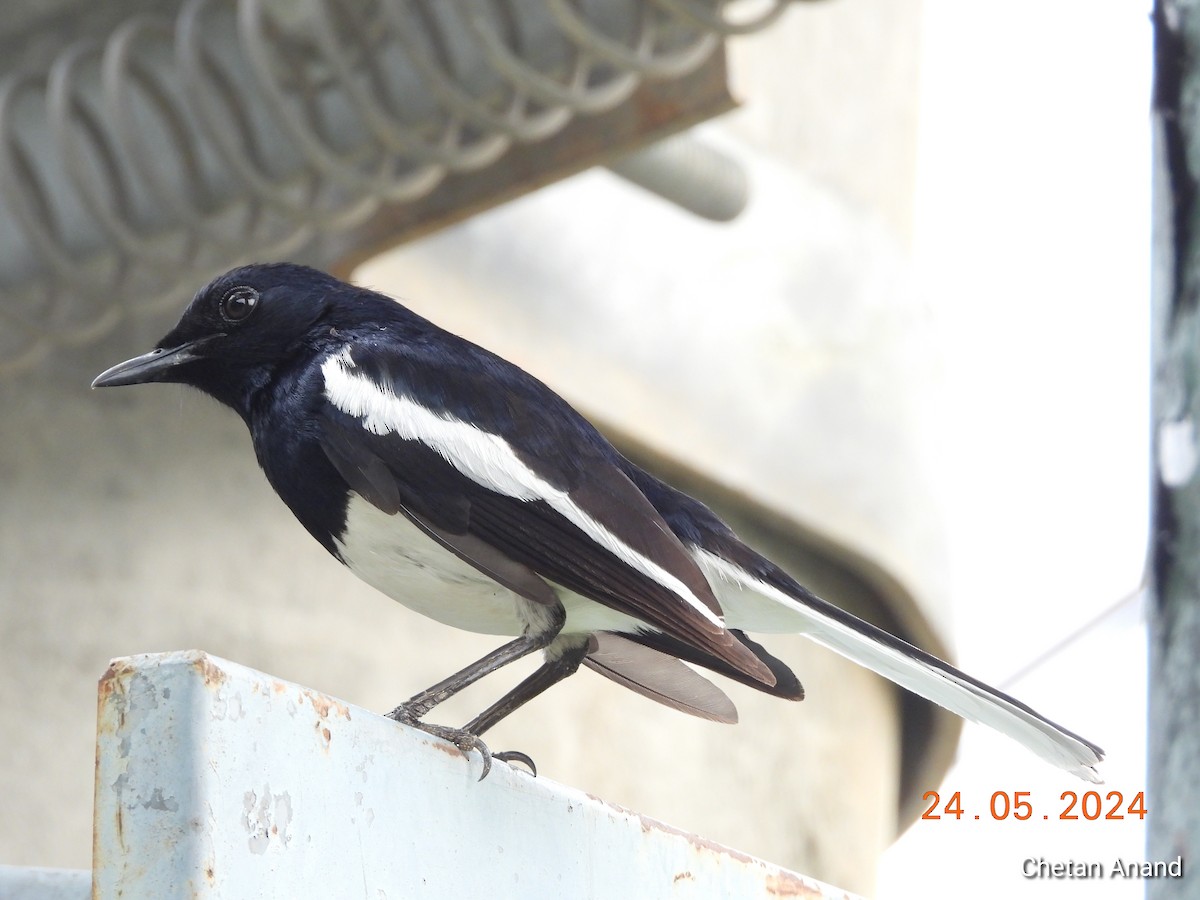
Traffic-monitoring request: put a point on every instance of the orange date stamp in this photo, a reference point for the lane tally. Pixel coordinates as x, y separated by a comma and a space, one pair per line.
1090, 806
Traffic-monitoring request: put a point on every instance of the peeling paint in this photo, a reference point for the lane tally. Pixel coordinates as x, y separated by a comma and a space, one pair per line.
156, 800
159, 802
283, 817
362, 767
227, 706
173, 804
257, 823
265, 817
141, 694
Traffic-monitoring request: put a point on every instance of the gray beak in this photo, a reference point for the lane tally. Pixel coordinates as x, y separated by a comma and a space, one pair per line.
153, 366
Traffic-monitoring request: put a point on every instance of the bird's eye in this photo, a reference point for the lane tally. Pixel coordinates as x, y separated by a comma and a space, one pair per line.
238, 304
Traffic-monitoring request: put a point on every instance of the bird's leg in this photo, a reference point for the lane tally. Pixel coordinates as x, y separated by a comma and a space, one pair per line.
410, 711
420, 703
554, 670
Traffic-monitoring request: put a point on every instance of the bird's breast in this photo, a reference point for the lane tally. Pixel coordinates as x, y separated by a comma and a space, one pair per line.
396, 557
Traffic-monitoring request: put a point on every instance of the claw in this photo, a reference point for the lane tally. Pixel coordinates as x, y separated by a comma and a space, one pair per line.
473, 742
459, 737
464, 740
511, 756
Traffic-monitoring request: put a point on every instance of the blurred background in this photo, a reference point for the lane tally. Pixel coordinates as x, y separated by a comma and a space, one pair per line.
870, 277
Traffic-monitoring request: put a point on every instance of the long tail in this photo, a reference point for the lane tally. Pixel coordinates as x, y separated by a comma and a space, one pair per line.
758, 596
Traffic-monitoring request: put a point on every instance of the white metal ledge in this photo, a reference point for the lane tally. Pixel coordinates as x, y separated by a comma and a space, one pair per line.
214, 780
33, 883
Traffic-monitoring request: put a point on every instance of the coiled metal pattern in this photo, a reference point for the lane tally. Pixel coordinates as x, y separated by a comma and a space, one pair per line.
283, 120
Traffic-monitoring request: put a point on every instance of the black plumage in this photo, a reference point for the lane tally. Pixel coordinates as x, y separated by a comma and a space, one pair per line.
466, 489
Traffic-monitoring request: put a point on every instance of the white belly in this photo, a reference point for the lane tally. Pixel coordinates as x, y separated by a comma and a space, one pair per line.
396, 557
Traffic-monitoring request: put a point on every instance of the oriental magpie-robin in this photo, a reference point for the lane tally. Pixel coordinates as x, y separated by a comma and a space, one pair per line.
461, 486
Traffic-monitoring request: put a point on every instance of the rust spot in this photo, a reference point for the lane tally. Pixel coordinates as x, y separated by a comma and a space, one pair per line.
117, 670
319, 703
213, 675
700, 843
779, 884
785, 884
324, 705
210, 873
325, 734
447, 748
278, 687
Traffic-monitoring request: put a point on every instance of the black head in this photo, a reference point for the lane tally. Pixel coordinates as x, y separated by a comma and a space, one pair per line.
236, 332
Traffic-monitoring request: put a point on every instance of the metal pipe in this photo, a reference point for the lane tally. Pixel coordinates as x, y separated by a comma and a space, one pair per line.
690, 173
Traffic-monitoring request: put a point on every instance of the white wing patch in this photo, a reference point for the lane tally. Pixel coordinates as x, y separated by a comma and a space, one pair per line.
487, 459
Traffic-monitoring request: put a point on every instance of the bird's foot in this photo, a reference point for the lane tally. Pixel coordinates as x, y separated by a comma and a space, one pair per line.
464, 740
460, 738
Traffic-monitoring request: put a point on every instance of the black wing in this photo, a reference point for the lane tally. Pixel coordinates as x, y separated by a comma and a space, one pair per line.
523, 542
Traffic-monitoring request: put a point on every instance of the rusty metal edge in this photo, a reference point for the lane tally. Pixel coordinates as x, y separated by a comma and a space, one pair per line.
208, 671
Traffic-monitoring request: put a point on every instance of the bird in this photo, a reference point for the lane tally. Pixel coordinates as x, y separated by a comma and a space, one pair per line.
466, 489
